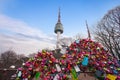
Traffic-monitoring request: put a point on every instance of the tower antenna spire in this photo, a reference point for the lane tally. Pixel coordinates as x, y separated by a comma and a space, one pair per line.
89, 36
59, 21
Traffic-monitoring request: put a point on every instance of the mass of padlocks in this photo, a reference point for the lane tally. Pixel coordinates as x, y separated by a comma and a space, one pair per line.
81, 56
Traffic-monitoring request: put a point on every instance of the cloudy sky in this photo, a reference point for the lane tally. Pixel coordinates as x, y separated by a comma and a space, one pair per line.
27, 26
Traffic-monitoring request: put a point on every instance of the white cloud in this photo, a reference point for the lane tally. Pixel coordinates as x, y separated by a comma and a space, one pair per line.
21, 37
16, 26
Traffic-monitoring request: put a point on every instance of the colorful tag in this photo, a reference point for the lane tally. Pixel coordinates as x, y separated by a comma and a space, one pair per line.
85, 61
74, 75
111, 77
56, 77
37, 75
58, 67
77, 69
98, 73
19, 74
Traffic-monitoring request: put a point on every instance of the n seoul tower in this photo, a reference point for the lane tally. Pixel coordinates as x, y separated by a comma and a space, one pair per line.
58, 30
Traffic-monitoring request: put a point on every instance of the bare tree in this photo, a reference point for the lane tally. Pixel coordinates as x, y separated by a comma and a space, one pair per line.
31, 55
78, 36
19, 56
8, 58
108, 31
